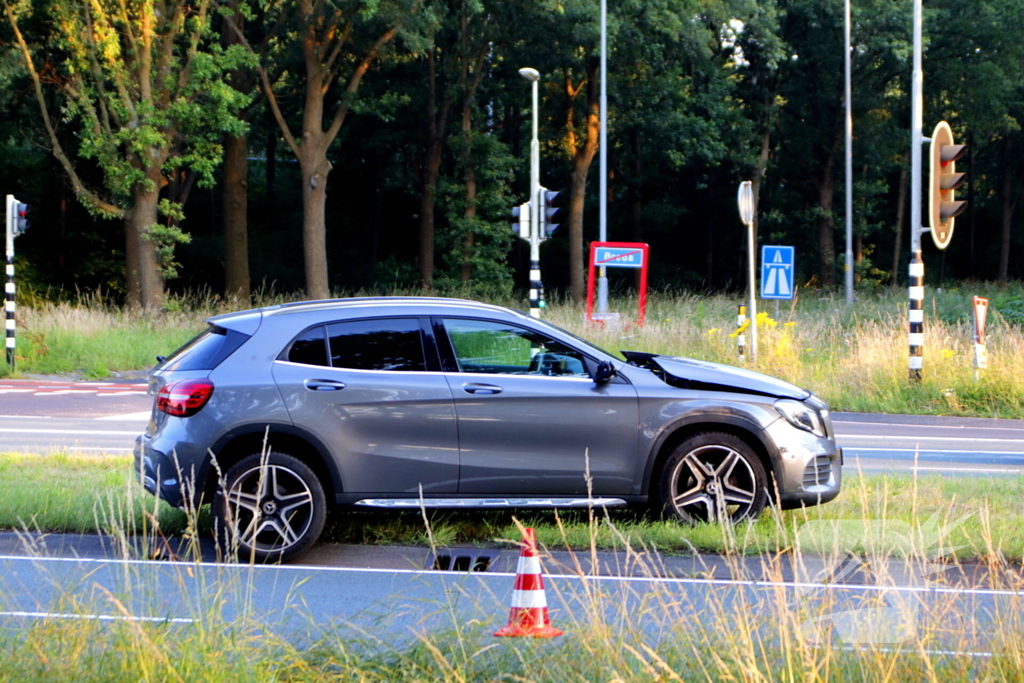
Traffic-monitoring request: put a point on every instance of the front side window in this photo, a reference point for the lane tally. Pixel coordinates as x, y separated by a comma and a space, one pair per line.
394, 344
501, 348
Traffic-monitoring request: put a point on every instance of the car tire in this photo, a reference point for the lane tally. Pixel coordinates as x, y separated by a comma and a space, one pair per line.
269, 508
713, 476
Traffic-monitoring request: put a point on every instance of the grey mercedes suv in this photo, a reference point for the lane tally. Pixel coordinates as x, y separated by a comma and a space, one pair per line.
278, 413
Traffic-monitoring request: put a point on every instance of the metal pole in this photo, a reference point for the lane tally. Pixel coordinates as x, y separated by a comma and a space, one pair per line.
849, 164
602, 278
536, 201
916, 290
752, 262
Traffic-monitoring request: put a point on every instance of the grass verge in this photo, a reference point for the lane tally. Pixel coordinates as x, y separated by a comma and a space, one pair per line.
66, 492
637, 632
855, 357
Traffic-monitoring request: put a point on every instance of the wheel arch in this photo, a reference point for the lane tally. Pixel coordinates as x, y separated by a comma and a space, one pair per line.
241, 442
750, 432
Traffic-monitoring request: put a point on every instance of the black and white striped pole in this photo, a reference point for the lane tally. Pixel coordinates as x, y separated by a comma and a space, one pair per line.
16, 221
942, 204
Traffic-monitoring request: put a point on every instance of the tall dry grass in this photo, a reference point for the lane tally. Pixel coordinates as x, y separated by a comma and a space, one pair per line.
855, 357
754, 627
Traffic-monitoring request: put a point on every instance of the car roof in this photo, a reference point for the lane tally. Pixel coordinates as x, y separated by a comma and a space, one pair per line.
376, 303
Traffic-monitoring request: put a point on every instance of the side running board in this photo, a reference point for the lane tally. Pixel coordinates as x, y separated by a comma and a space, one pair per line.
490, 502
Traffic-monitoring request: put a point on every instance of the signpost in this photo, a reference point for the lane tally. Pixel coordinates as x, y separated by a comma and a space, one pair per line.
745, 201
618, 255
980, 352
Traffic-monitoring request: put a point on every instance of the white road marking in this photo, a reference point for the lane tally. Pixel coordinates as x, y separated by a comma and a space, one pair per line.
750, 583
77, 432
128, 416
889, 437
64, 392
929, 427
968, 469
869, 449
104, 449
97, 617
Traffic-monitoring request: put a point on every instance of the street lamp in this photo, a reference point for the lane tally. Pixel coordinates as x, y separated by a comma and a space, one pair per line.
537, 202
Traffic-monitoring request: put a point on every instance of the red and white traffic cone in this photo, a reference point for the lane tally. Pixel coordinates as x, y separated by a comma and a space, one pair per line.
529, 614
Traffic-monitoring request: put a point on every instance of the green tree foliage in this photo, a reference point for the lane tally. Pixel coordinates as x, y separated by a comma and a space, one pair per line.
416, 111
143, 81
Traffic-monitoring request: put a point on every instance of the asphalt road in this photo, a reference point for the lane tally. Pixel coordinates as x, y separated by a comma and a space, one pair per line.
94, 417
395, 599
393, 605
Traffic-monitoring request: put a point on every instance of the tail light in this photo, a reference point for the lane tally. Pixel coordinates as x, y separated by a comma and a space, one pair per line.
184, 398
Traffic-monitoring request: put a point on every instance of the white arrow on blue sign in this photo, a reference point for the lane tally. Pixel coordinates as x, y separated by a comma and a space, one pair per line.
777, 272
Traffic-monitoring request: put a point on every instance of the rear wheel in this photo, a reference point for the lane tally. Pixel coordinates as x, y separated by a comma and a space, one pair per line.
270, 508
713, 476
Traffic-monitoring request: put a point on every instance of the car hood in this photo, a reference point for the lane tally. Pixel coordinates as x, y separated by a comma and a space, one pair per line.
695, 374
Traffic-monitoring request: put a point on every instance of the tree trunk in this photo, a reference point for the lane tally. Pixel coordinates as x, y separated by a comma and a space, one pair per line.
236, 175
1007, 205
972, 153
270, 204
142, 215
826, 226
582, 157
133, 287
637, 200
314, 226
469, 243
759, 172
236, 236
901, 202
577, 195
436, 118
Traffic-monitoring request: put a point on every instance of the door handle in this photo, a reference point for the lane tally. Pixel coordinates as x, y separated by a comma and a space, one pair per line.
324, 385
473, 388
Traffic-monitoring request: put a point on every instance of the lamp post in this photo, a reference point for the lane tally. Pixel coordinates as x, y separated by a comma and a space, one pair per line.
536, 202
745, 201
602, 279
849, 163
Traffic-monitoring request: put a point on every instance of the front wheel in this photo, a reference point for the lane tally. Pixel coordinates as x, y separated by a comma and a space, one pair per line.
712, 477
270, 508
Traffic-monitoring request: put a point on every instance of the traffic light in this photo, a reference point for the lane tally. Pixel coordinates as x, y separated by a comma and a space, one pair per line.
521, 224
17, 216
20, 218
550, 214
942, 204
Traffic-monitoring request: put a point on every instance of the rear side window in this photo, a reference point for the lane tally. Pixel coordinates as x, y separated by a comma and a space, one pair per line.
394, 344
206, 350
310, 348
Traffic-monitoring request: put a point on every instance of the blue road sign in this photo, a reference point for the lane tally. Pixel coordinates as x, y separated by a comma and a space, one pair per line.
777, 272
618, 257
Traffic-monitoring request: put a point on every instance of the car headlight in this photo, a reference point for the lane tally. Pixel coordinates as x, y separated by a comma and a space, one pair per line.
801, 416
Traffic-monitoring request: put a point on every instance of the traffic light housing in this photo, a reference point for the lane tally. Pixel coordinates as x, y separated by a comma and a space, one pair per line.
521, 222
550, 214
943, 206
20, 218
17, 216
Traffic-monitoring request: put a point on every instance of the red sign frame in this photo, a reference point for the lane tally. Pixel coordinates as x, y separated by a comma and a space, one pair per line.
642, 303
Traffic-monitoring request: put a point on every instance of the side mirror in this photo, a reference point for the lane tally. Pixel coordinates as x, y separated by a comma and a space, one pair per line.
604, 372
